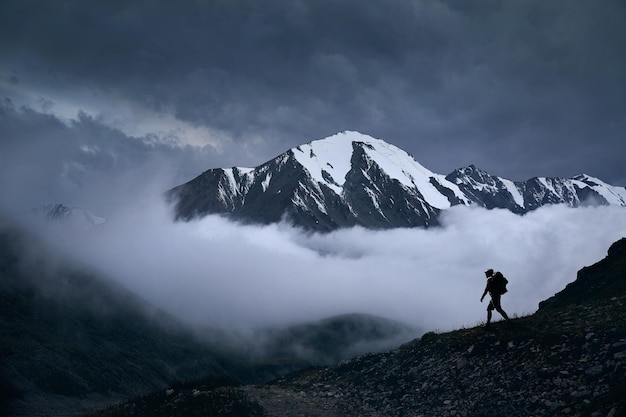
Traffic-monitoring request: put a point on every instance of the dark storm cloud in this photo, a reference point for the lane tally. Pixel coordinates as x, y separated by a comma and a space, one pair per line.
84, 163
519, 88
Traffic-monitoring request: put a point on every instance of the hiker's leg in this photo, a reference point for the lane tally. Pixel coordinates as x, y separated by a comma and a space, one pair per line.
496, 304
503, 313
490, 308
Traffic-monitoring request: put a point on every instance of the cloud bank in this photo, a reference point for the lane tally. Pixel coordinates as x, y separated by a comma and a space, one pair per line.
214, 272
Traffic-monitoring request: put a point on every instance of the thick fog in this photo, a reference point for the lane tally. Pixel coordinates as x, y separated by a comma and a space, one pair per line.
215, 272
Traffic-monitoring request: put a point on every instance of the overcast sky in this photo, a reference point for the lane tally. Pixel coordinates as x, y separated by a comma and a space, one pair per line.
96, 97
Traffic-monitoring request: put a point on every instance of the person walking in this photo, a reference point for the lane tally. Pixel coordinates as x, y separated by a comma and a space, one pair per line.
496, 286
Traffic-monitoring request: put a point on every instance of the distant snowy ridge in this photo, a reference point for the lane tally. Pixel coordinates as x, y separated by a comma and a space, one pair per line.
353, 179
72, 217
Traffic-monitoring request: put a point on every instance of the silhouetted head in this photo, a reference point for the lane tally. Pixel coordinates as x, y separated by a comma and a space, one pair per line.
489, 272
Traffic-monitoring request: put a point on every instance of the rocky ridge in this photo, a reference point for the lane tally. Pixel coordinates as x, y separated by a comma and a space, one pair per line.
351, 179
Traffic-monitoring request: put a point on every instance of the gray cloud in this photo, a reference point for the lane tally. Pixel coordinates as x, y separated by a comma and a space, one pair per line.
215, 272
84, 163
518, 88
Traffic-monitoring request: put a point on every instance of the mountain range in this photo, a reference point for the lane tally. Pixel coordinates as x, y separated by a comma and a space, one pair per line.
352, 179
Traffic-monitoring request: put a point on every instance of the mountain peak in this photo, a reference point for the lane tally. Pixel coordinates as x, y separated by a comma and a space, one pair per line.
332, 158
351, 178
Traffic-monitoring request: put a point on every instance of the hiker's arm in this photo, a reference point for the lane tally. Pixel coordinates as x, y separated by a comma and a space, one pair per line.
484, 293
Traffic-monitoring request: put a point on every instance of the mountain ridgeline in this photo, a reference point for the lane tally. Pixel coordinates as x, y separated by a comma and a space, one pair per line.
351, 179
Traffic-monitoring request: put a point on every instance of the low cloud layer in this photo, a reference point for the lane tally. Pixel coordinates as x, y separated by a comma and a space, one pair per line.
215, 272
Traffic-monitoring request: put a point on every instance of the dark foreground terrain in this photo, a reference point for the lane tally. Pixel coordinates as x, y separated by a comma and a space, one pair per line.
568, 359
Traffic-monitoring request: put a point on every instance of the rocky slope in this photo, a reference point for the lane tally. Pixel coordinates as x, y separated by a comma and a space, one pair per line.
567, 359
353, 179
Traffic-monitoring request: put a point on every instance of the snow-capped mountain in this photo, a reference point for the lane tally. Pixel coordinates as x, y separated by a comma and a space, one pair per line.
73, 218
353, 179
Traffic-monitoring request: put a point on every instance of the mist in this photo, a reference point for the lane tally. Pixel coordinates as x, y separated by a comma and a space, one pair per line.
218, 273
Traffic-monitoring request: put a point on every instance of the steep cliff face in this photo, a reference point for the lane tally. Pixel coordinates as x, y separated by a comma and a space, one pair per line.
353, 179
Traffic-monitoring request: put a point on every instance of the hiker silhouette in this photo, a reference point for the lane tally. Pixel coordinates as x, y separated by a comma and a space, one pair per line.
496, 286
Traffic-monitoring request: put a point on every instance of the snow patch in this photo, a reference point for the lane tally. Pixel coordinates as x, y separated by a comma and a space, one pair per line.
612, 194
266, 181
514, 191
332, 155
331, 158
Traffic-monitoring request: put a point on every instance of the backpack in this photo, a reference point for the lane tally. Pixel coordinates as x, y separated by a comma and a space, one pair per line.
498, 283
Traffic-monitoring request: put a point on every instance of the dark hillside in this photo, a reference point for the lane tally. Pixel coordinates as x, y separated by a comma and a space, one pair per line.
597, 283
329, 341
72, 341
